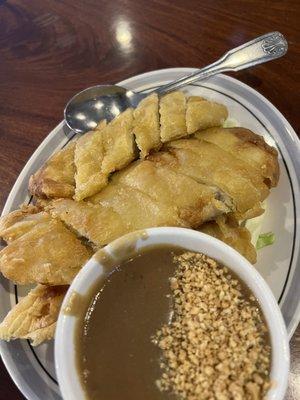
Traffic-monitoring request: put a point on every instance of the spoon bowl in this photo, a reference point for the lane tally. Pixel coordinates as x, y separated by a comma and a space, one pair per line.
84, 111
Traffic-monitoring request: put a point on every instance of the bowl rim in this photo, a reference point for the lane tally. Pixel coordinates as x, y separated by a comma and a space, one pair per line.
68, 378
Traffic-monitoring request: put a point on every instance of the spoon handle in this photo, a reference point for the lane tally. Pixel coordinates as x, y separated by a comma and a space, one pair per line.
262, 49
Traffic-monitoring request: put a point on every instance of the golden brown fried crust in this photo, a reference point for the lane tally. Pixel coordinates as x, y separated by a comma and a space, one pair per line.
209, 164
248, 136
146, 126
100, 225
141, 196
41, 203
202, 114
165, 186
55, 179
48, 188
14, 216
248, 147
254, 212
35, 316
172, 110
18, 222
88, 158
118, 143
227, 229
40, 249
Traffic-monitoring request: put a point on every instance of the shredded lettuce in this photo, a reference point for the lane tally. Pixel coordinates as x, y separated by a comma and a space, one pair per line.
265, 239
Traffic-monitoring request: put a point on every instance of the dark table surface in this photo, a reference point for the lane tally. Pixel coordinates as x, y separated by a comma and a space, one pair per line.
49, 50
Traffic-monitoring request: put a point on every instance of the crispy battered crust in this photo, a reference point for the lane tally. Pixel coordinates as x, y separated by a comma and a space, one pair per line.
55, 178
172, 109
18, 222
146, 125
227, 229
248, 147
115, 145
99, 225
35, 316
211, 165
144, 195
41, 203
118, 143
202, 114
88, 159
167, 187
40, 249
43, 187
273, 166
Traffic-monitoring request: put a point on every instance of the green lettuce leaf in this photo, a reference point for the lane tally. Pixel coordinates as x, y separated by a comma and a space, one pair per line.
265, 239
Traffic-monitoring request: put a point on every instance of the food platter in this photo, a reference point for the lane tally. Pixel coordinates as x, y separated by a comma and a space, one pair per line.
32, 369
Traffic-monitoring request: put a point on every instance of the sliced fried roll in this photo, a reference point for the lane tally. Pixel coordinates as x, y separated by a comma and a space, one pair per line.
227, 229
209, 164
194, 202
118, 143
172, 110
19, 222
143, 195
248, 147
56, 177
203, 114
146, 125
41, 250
35, 316
115, 211
89, 153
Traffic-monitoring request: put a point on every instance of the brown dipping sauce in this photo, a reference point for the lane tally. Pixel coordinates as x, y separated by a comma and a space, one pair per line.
117, 321
115, 356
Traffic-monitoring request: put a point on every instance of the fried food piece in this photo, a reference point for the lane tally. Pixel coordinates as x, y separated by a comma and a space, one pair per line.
118, 143
246, 146
137, 209
141, 196
115, 211
40, 250
210, 165
89, 153
172, 116
41, 203
154, 192
194, 202
253, 212
19, 222
226, 228
35, 316
202, 114
56, 177
100, 225
146, 125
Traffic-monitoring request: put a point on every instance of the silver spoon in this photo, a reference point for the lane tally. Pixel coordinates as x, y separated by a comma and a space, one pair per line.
87, 108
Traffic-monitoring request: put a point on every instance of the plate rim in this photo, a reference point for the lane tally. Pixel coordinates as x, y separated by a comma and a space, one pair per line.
18, 381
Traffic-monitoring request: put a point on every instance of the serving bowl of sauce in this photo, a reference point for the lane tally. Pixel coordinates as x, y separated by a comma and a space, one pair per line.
170, 313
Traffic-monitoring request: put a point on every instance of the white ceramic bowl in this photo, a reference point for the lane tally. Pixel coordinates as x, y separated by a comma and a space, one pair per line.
68, 379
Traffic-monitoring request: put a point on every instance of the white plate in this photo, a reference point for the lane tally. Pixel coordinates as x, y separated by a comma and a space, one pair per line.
32, 369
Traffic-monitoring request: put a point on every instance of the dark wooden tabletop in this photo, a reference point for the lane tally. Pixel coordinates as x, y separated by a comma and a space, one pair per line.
49, 50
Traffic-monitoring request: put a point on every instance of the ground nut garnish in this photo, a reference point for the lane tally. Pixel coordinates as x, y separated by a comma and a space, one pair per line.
216, 346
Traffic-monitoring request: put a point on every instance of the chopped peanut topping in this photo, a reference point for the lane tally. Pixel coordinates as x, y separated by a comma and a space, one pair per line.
216, 346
